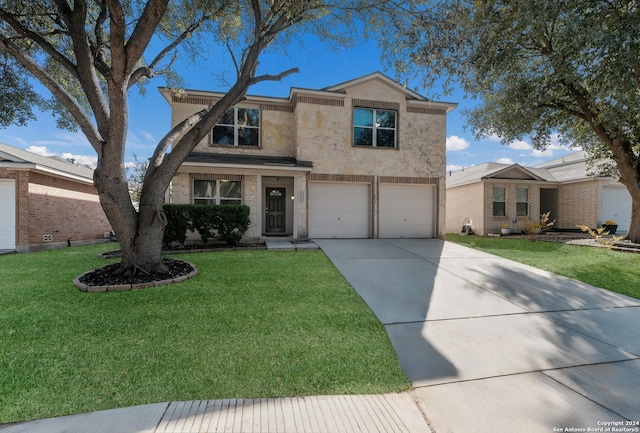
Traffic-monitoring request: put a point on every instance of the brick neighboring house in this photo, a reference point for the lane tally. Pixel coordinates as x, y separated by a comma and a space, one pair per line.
361, 159
493, 194
47, 202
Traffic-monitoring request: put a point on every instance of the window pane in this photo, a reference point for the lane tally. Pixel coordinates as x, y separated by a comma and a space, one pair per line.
248, 137
385, 138
230, 189
362, 117
498, 208
248, 117
385, 119
498, 194
362, 137
227, 118
223, 135
522, 209
522, 195
204, 188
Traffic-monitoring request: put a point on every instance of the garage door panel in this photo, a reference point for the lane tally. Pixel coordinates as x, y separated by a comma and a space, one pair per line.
339, 210
7, 214
616, 205
407, 211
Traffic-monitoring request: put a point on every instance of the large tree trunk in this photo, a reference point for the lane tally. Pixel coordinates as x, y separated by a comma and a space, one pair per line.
139, 232
628, 165
634, 229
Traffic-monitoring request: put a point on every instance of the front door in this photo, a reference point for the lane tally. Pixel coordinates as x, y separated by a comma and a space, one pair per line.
276, 210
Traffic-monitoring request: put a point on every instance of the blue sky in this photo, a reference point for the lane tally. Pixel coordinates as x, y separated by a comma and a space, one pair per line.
319, 68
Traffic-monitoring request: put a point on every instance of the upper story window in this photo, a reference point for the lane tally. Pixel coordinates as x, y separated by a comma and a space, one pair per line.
499, 201
238, 127
374, 128
522, 201
217, 191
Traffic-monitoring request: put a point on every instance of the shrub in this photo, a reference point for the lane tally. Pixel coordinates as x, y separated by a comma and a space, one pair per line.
203, 220
532, 228
226, 223
231, 223
178, 222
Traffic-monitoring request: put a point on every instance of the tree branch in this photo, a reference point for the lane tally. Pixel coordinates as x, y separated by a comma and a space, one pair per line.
58, 91
147, 71
277, 77
41, 41
168, 140
144, 31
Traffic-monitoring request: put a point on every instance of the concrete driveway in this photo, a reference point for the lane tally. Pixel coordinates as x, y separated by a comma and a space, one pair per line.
492, 345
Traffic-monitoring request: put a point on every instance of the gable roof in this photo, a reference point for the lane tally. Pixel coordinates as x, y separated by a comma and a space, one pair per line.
569, 168
495, 170
336, 91
20, 159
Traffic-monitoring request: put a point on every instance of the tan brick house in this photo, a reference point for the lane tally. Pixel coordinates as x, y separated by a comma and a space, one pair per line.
361, 159
47, 202
493, 194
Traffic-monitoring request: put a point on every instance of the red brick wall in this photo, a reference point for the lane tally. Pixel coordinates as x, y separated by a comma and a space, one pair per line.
64, 209
48, 205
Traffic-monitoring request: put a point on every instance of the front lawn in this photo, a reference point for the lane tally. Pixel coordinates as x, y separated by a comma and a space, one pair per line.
251, 324
613, 270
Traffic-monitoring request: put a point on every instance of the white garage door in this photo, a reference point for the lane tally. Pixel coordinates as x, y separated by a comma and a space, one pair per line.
407, 211
7, 214
339, 210
616, 205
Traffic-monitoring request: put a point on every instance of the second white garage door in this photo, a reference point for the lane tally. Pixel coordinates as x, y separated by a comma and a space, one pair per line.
339, 210
407, 211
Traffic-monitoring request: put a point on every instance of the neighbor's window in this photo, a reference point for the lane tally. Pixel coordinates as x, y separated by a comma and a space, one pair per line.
238, 127
374, 128
499, 201
217, 191
522, 201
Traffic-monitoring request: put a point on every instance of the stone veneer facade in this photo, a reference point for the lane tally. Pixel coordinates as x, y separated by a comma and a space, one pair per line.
317, 126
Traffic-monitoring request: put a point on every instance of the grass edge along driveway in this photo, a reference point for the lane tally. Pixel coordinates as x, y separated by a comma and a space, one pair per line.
251, 324
601, 267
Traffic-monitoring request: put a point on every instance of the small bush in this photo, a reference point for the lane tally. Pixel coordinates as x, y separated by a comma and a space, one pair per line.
226, 223
232, 223
203, 220
178, 222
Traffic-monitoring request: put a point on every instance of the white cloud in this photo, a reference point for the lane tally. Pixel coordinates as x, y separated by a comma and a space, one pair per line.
505, 161
455, 143
520, 145
40, 150
541, 153
454, 167
90, 160
493, 137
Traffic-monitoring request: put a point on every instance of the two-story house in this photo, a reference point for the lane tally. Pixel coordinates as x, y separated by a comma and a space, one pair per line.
361, 159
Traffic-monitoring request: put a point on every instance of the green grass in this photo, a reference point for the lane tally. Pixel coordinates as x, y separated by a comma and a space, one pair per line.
612, 270
251, 324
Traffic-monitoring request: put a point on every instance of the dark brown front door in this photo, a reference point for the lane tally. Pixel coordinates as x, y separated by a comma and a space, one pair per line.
275, 211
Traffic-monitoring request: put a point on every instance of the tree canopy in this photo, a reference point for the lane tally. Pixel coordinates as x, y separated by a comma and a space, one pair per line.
89, 54
548, 69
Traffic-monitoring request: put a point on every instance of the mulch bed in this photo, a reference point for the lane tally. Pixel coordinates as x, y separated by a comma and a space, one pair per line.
103, 279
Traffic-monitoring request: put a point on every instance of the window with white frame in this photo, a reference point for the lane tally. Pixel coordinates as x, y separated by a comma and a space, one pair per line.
217, 191
374, 127
238, 127
499, 201
522, 201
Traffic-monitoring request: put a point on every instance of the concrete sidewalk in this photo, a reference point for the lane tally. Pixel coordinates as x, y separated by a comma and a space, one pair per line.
387, 413
491, 345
